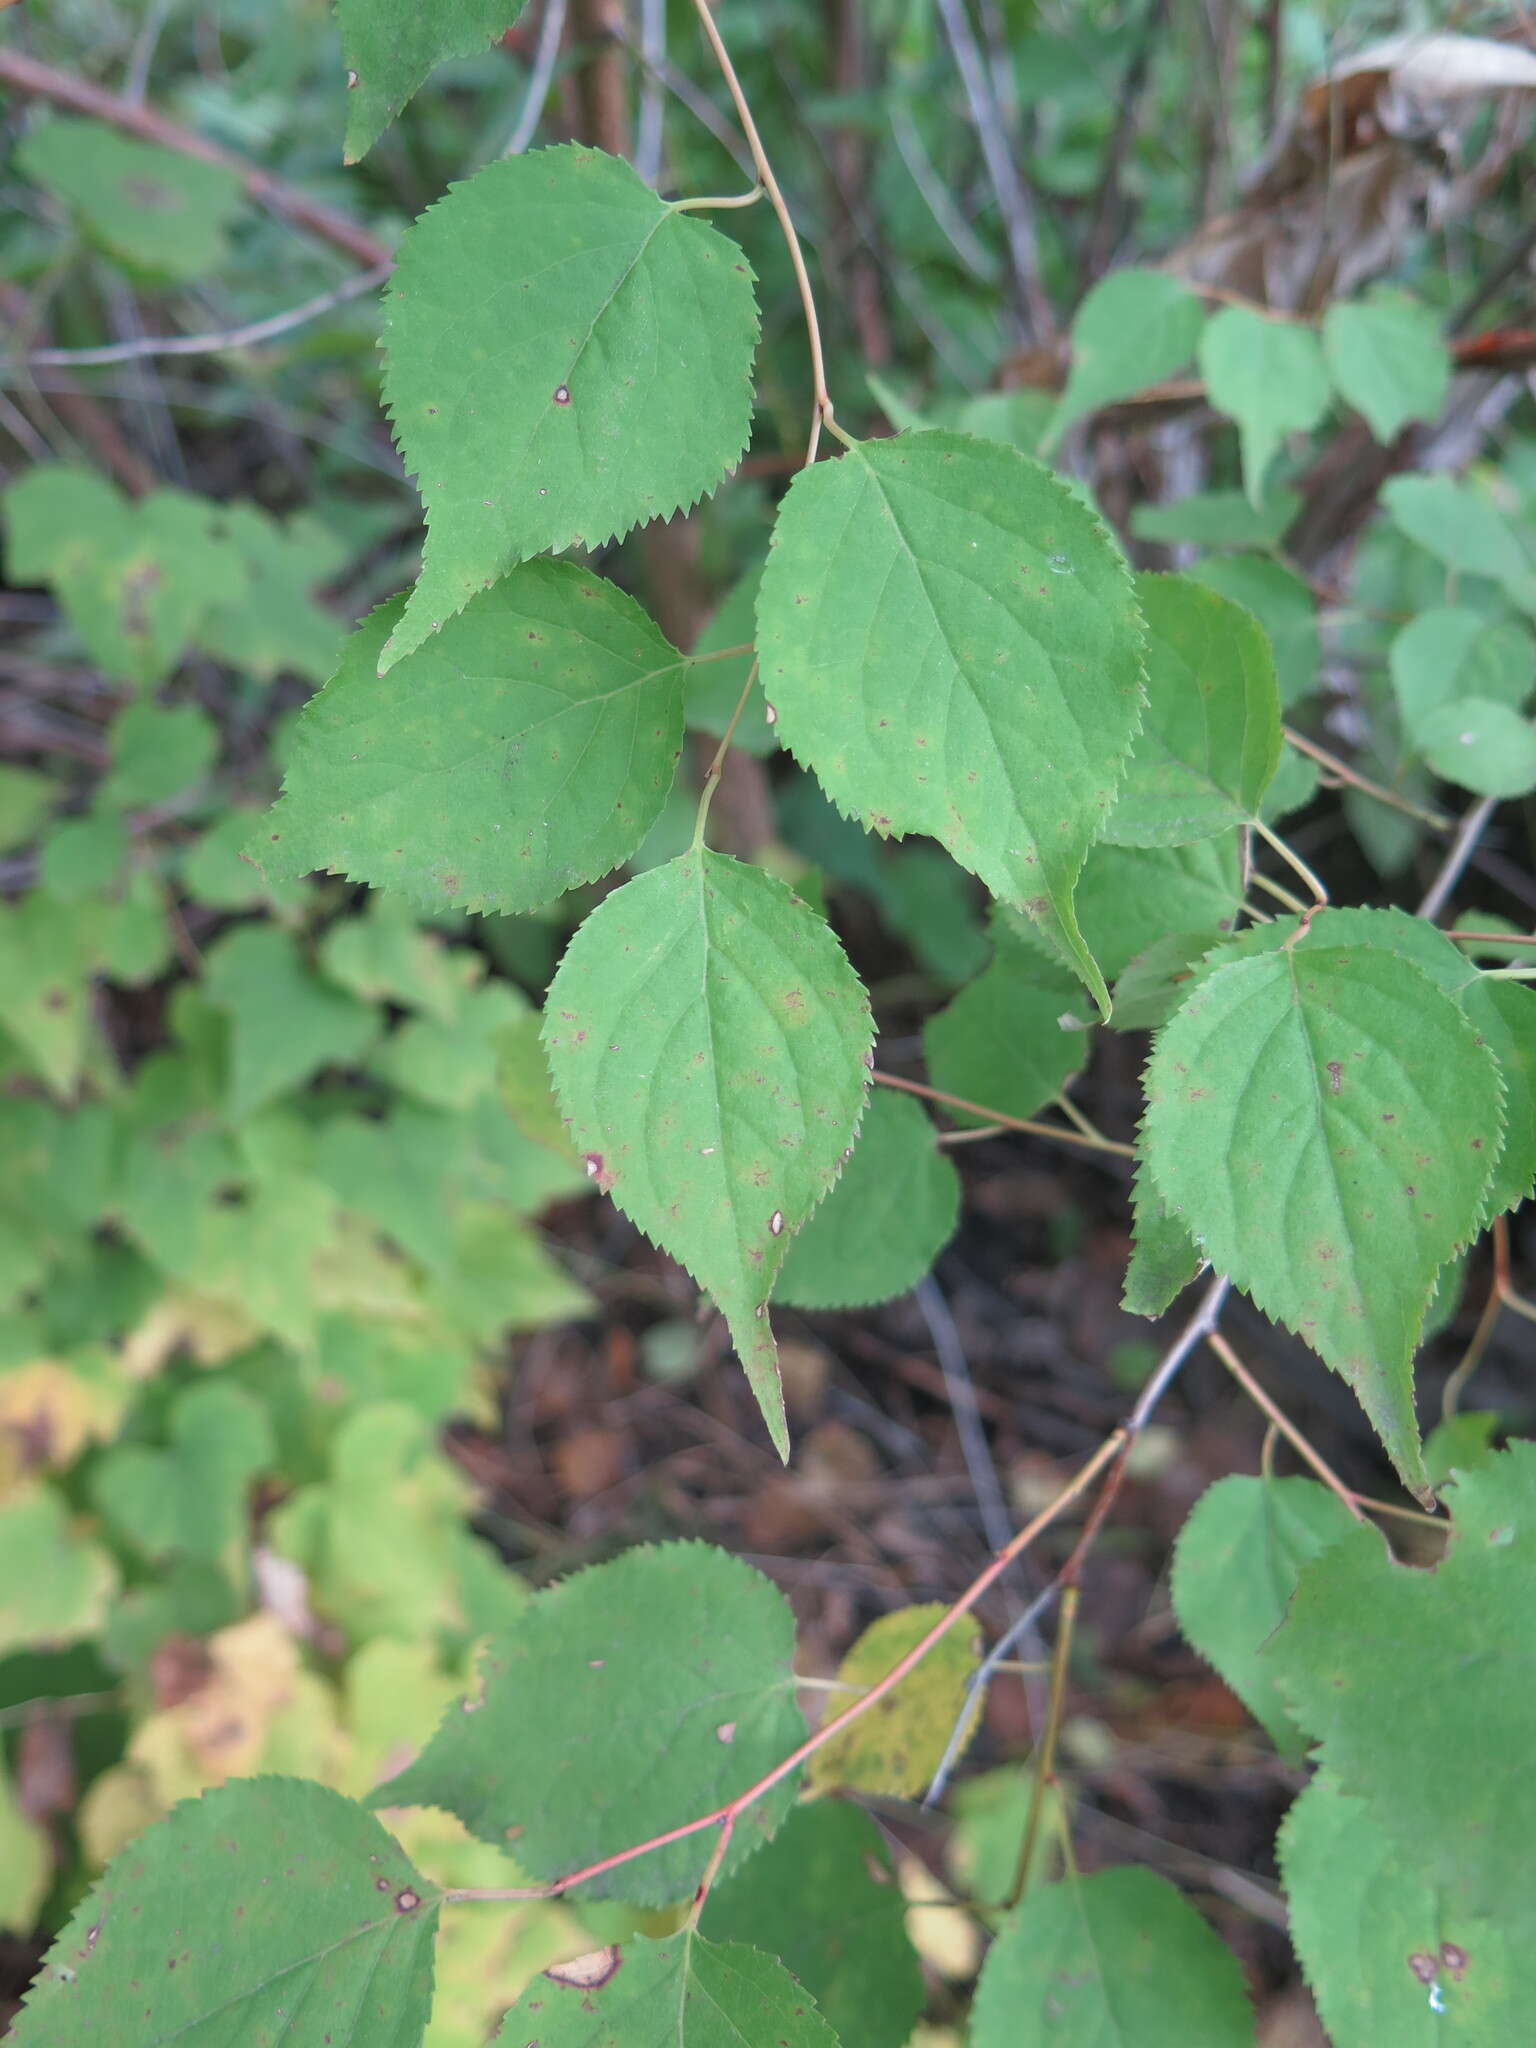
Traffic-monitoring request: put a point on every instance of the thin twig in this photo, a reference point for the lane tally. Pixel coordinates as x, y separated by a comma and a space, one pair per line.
1283, 1423
653, 54
1293, 861
1341, 771
1004, 1122
728, 1814
1045, 1761
541, 76
1471, 829
248, 336
821, 412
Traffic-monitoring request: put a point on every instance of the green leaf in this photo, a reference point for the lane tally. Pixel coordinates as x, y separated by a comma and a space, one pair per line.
81, 857
392, 46
1135, 328
450, 1064
47, 950
55, 1587
190, 1499
1390, 1954
155, 210
1387, 358
823, 1897
1157, 981
588, 1737
1163, 1258
26, 1862
883, 1225
273, 626
1482, 746
1503, 1014
285, 1023
1326, 1123
241, 1911
896, 1746
26, 798
1217, 519
156, 754
950, 640
1450, 653
1283, 606
1130, 897
684, 1991
1460, 1443
714, 688
1118, 1957
1238, 1558
385, 956
1270, 377
1210, 742
1000, 1042
1417, 1685
600, 376
1461, 525
708, 1043
502, 1279
526, 748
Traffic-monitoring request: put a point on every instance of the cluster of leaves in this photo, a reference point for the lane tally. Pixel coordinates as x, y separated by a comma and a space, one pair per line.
249, 1273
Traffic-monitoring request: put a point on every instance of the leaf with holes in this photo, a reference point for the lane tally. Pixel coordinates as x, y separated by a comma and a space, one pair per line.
708, 1043
684, 1991
897, 1745
1389, 360
527, 748
1116, 1957
1374, 1658
239, 1913
883, 1225
951, 642
824, 1898
623, 1702
1270, 377
1134, 328
1238, 1559
1210, 742
1389, 1954
598, 375
390, 47
1326, 1122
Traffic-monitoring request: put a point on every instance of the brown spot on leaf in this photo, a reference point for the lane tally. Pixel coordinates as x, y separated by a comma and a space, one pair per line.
1424, 1966
407, 1901
589, 1972
1335, 1077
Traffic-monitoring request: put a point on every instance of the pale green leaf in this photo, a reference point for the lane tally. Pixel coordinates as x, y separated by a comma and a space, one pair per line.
1000, 1042
1164, 1259
1390, 1954
502, 1279
622, 1702
1117, 1958
1388, 360
526, 748
26, 797
285, 1023
217, 871
81, 857
55, 1585
155, 210
1135, 328
598, 375
823, 1897
1462, 525
26, 1862
1283, 606
1217, 519
1460, 1443
190, 1498
391, 47
708, 1043
1418, 1684
1503, 1014
47, 949
450, 1064
1481, 745
951, 642
1325, 1121
684, 1992
895, 1747
1234, 1570
1270, 377
157, 753
1210, 741
51, 511
262, 1907
385, 956
396, 1170
883, 1225
1450, 653
273, 625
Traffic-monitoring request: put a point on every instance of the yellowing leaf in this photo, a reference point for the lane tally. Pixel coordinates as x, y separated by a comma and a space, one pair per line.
896, 1746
